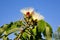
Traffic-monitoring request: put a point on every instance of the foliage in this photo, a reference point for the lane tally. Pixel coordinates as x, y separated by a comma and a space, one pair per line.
56, 34
58, 29
27, 34
29, 28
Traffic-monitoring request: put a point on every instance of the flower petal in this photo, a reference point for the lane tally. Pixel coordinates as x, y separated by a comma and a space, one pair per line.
25, 10
37, 16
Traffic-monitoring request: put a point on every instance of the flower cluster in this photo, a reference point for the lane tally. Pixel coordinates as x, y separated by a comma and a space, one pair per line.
30, 12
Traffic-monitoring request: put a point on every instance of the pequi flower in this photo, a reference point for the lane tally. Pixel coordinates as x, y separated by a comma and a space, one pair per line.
37, 16
30, 12
27, 11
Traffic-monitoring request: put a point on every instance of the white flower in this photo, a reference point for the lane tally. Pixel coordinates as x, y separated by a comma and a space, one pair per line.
37, 16
30, 12
25, 10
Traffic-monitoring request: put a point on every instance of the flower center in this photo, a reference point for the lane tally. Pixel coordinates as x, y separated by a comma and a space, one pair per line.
28, 14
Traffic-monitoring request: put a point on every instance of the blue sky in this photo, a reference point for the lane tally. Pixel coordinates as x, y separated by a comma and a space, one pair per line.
50, 9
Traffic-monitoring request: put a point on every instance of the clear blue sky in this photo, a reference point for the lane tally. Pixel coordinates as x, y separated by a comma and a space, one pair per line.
50, 9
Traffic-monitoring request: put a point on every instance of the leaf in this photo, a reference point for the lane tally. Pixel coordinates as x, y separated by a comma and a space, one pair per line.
34, 31
12, 27
41, 25
18, 23
1, 31
3, 28
25, 35
48, 30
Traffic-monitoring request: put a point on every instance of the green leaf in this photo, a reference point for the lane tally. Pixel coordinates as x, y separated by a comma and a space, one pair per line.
25, 35
34, 31
3, 28
48, 30
1, 31
48, 25
12, 27
18, 23
41, 25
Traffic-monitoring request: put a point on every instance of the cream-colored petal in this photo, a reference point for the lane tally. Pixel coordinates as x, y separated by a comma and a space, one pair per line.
27, 10
37, 16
